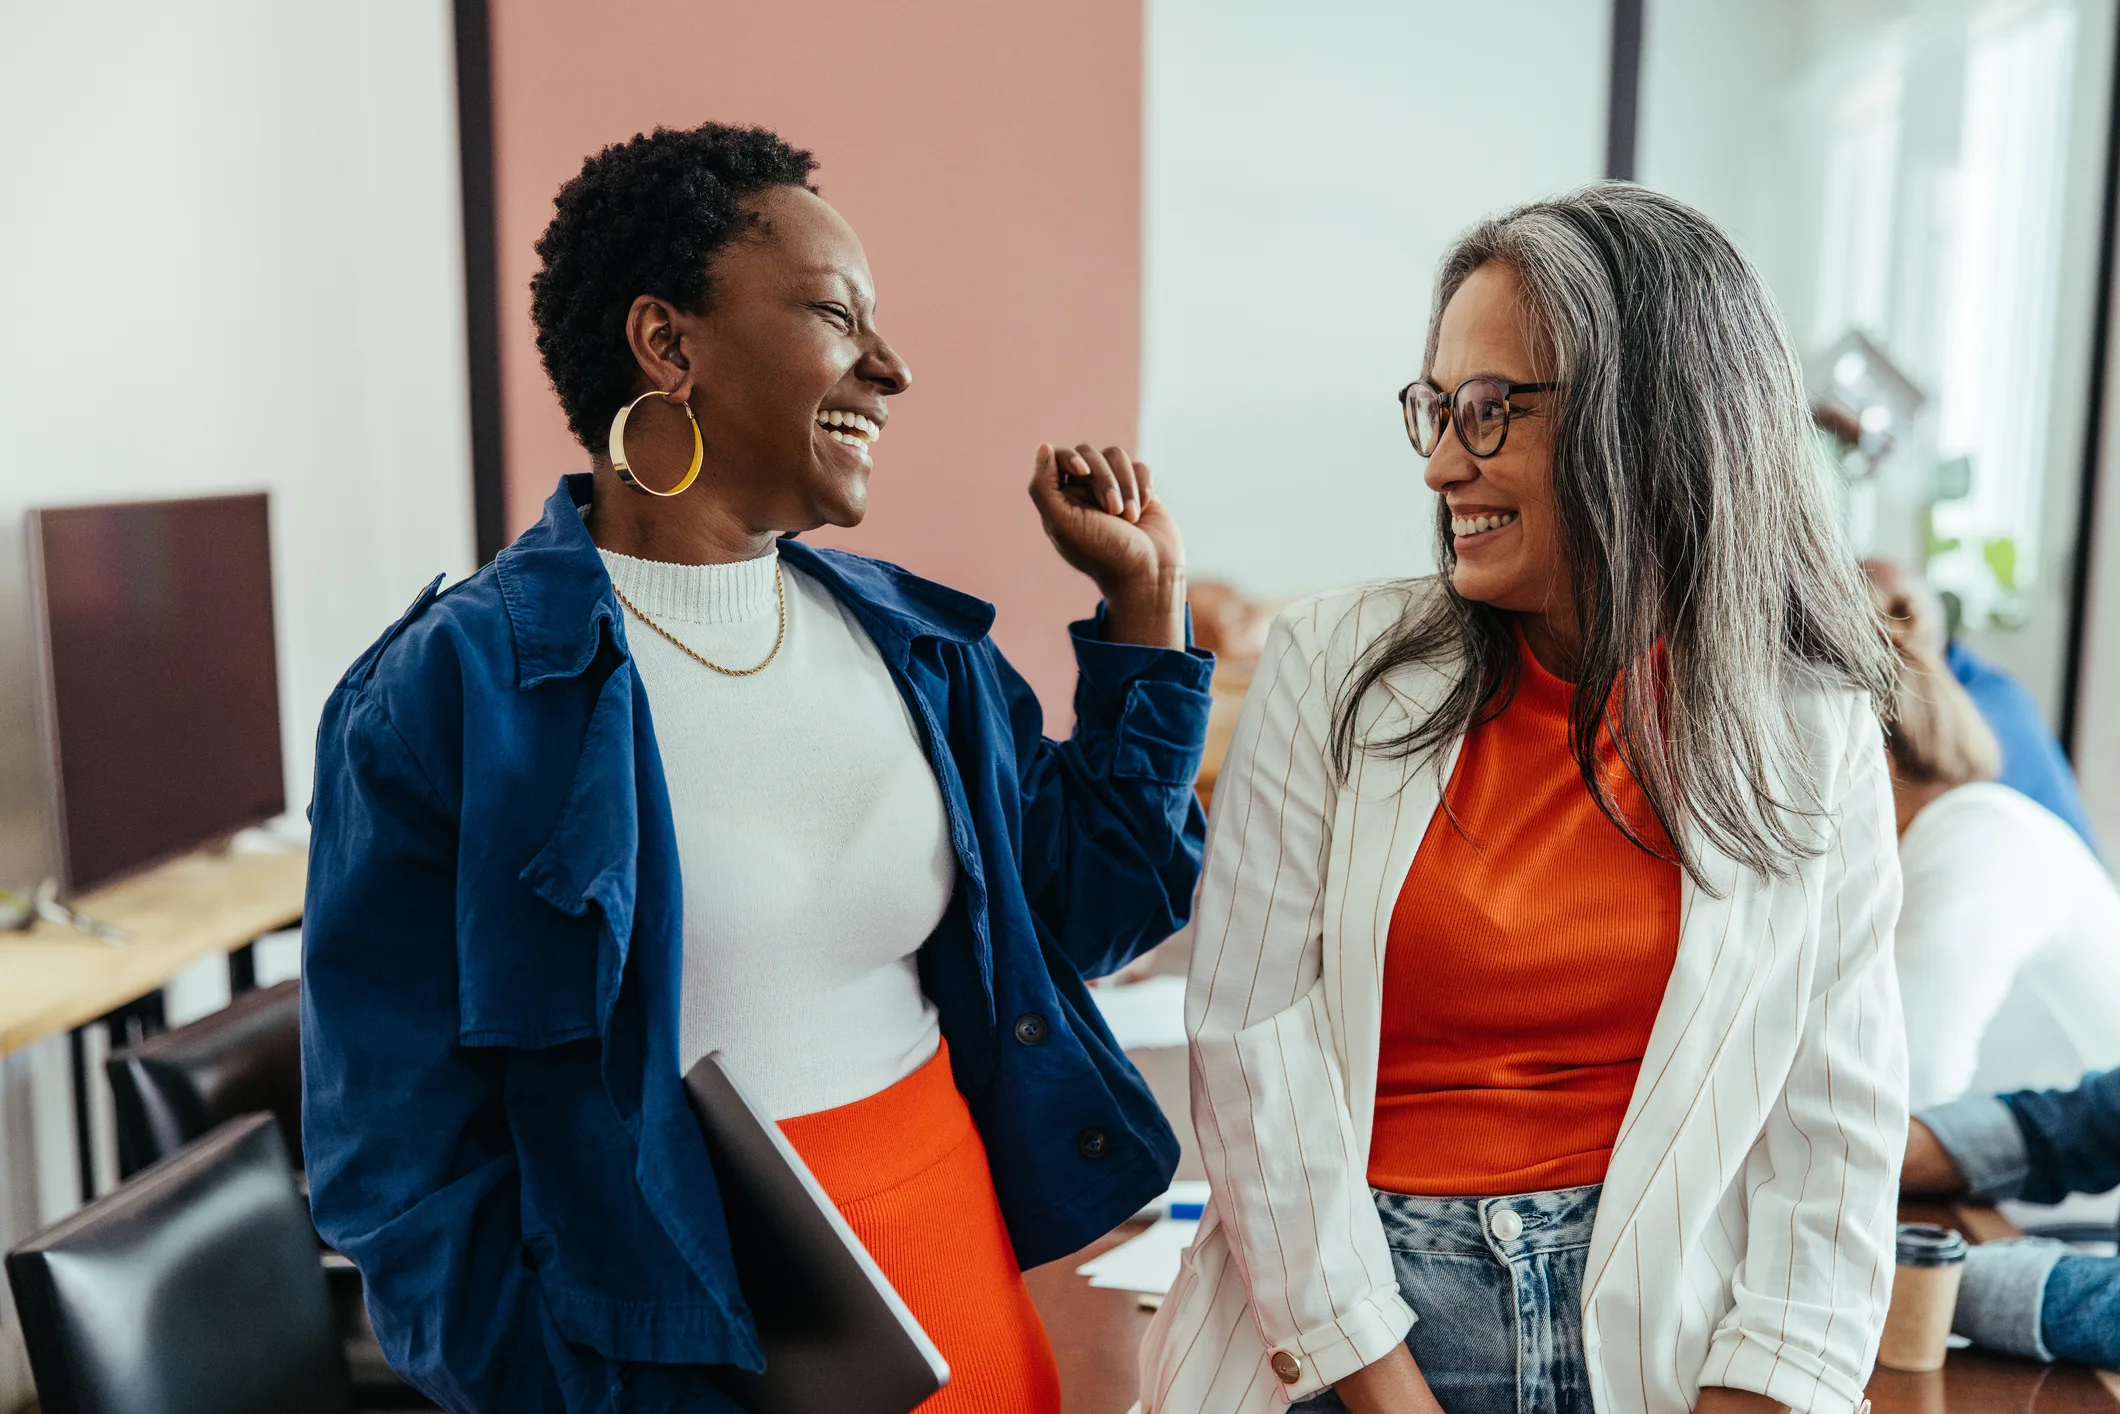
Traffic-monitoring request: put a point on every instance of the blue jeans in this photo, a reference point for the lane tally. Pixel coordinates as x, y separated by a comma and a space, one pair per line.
1499, 1298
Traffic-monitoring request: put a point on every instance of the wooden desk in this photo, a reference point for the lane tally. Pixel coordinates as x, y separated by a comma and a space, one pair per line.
55, 979
1096, 1334
1975, 1382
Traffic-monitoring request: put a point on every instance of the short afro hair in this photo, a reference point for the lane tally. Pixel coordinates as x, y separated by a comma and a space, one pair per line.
643, 217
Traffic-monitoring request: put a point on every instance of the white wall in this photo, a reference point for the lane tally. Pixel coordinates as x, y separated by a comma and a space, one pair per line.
1305, 169
1834, 140
231, 260
1714, 74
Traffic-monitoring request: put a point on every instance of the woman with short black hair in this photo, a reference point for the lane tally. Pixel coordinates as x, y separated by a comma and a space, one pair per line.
1546, 1052
842, 854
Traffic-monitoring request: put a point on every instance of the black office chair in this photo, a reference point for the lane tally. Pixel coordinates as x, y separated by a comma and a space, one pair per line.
193, 1289
176, 1085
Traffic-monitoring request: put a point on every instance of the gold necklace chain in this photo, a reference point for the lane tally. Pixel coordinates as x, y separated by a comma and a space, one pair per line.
780, 592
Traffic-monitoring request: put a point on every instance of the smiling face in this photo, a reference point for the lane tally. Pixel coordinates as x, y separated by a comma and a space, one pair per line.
791, 376
1505, 533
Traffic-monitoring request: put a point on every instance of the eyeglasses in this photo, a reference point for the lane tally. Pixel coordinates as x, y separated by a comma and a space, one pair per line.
1478, 407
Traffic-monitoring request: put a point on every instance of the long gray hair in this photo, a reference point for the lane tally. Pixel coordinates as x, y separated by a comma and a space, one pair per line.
1709, 572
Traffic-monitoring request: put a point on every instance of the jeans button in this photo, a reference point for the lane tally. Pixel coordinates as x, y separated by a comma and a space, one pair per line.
1031, 1029
1093, 1144
1505, 1224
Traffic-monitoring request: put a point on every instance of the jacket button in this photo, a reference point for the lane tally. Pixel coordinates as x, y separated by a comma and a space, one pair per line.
1093, 1144
1031, 1029
1287, 1366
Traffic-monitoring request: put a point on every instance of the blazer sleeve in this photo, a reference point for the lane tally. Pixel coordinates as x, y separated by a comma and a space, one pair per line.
1111, 827
1810, 1294
1269, 1100
411, 1169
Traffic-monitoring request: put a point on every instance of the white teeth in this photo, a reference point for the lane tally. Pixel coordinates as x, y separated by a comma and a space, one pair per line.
1477, 525
861, 428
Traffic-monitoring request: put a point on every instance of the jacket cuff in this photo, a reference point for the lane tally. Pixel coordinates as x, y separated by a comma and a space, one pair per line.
1982, 1138
1783, 1373
1152, 701
1356, 1338
2002, 1297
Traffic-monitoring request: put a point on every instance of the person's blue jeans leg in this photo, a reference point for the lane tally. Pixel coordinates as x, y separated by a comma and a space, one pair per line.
1497, 1284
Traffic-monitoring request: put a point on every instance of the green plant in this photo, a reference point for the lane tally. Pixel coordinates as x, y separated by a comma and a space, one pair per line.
2001, 556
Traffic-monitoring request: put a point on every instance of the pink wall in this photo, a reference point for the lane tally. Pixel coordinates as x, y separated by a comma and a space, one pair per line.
989, 153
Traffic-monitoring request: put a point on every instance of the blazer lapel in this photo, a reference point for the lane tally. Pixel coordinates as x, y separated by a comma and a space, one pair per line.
1379, 822
1713, 987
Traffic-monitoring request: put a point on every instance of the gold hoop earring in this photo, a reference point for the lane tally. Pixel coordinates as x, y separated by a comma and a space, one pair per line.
618, 447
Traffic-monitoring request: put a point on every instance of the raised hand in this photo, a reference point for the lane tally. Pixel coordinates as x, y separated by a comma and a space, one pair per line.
1102, 514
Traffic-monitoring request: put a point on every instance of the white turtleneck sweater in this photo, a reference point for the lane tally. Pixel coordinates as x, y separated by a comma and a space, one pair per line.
811, 835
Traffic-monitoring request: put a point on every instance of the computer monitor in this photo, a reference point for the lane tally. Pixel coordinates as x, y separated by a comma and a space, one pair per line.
161, 683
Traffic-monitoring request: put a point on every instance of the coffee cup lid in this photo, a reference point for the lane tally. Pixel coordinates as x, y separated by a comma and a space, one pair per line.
1927, 1245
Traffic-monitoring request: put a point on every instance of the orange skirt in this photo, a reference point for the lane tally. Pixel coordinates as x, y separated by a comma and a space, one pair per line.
908, 1170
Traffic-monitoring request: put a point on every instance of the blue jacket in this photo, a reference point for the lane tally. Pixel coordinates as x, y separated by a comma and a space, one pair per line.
494, 1124
2071, 1138
2033, 763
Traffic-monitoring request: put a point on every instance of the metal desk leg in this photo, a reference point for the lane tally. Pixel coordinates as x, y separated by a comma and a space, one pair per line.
128, 1025
84, 1144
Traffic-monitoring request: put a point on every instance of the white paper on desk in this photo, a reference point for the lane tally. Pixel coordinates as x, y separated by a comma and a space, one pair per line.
283, 834
1148, 1262
2099, 1210
1144, 1015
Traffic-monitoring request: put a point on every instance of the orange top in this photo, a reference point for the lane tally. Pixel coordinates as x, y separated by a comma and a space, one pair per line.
1528, 953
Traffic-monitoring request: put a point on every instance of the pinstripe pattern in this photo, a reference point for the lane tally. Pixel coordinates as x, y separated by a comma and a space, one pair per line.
1742, 1234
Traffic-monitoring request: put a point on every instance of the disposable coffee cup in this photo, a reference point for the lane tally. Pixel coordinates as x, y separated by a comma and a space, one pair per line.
1917, 1330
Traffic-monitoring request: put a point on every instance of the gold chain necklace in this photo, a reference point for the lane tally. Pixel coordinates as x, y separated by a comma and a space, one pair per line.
780, 592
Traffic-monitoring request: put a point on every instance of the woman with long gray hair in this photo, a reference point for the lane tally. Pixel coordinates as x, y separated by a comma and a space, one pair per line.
1545, 1042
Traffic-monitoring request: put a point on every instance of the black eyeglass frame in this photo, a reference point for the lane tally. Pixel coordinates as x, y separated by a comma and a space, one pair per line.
1447, 402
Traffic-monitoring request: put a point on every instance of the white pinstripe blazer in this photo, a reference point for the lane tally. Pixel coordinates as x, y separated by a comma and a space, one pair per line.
1744, 1236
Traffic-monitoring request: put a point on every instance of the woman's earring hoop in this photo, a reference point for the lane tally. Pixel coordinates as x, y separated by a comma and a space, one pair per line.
618, 447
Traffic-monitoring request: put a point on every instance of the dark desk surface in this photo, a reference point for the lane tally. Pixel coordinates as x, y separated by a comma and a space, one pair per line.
1973, 1380
1096, 1334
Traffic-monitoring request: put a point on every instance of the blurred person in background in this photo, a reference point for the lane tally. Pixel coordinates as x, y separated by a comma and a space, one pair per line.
2033, 1297
2009, 937
2033, 763
1620, 760
843, 854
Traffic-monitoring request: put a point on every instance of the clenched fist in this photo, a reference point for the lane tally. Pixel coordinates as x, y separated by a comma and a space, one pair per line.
1101, 512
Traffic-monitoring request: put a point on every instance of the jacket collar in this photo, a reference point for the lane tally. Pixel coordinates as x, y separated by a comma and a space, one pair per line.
559, 597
